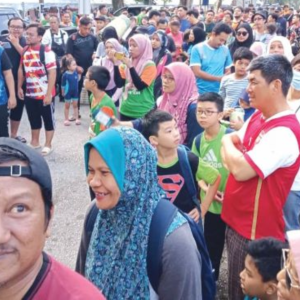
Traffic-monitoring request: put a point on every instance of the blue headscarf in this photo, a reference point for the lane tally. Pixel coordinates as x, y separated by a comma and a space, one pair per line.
117, 255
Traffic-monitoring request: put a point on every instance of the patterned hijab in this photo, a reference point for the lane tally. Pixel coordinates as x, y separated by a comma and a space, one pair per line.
117, 255
177, 102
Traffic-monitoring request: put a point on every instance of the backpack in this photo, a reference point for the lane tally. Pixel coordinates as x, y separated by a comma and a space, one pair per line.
199, 137
59, 50
162, 218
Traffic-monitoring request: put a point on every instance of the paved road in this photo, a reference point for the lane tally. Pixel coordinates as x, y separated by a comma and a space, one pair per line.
71, 195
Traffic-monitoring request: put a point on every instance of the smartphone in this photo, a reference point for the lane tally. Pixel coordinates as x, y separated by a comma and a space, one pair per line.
6, 45
103, 118
119, 55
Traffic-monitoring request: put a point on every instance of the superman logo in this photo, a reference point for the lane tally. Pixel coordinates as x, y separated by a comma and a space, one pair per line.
171, 184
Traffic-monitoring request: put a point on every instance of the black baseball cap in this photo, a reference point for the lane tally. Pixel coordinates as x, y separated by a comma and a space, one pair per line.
37, 169
259, 13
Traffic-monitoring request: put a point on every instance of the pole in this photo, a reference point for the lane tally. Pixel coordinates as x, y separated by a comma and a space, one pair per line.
84, 7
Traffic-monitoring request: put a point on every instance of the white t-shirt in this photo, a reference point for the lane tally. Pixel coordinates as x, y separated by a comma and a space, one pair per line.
278, 148
47, 39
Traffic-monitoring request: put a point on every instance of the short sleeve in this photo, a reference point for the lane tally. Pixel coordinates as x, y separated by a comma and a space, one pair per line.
5, 62
122, 70
195, 59
222, 91
149, 74
50, 59
206, 172
64, 81
228, 61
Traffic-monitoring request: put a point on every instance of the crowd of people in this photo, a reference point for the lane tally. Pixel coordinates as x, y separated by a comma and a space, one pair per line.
199, 108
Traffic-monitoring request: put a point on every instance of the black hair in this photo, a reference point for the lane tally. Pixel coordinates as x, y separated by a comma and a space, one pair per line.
100, 75
175, 17
16, 19
239, 7
221, 27
271, 28
274, 16
229, 14
247, 10
175, 23
101, 18
274, 67
101, 6
162, 21
153, 13
199, 34
296, 60
266, 254
242, 53
109, 33
297, 15
40, 30
210, 11
85, 21
193, 12
66, 62
214, 98
183, 7
7, 155
152, 120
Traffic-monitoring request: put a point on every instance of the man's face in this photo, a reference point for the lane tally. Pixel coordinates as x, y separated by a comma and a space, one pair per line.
258, 90
54, 25
104, 11
218, 40
295, 20
16, 28
241, 66
32, 37
85, 30
251, 281
22, 228
181, 13
66, 18
237, 13
227, 20
162, 26
209, 17
100, 24
259, 21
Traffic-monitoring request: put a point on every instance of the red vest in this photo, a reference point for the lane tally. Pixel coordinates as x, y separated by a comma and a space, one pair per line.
254, 208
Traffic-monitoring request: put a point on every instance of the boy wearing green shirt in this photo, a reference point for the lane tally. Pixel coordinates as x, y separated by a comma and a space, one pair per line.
207, 146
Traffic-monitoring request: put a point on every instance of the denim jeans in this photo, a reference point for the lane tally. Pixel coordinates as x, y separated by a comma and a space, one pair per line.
291, 211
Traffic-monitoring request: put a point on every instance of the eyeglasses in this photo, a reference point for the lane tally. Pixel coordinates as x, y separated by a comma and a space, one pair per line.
207, 113
168, 78
257, 19
243, 33
16, 27
288, 276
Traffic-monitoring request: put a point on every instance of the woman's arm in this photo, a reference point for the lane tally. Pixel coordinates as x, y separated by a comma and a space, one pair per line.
119, 81
136, 79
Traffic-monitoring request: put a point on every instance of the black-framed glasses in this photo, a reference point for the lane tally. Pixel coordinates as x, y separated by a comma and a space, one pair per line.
16, 27
288, 276
243, 33
206, 112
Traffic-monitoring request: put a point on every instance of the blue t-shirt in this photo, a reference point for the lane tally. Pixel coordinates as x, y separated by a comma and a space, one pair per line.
250, 298
69, 83
184, 25
212, 61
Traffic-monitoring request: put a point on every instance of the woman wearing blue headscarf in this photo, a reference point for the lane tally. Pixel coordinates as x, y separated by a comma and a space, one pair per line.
121, 171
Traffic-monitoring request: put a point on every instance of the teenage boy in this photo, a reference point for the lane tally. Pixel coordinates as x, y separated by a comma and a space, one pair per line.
161, 130
262, 263
207, 146
232, 84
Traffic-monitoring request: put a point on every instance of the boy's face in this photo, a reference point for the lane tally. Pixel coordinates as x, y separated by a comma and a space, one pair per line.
251, 281
241, 67
208, 114
168, 136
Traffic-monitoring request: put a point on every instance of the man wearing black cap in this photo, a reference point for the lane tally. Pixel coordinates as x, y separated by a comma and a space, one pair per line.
259, 20
26, 209
281, 20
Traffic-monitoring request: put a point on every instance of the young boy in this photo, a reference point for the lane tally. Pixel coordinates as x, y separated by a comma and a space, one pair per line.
262, 263
207, 146
231, 85
161, 130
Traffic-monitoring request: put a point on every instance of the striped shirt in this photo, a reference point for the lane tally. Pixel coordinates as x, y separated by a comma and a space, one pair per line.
35, 73
231, 89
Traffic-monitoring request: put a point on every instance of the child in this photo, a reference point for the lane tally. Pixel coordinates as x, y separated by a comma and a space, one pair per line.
207, 146
69, 85
177, 36
231, 85
160, 128
245, 104
96, 81
262, 263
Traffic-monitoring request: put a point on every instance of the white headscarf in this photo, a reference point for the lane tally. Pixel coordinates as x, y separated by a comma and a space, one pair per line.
286, 46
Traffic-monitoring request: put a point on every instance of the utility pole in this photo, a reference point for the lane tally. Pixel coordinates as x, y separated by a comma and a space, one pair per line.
84, 7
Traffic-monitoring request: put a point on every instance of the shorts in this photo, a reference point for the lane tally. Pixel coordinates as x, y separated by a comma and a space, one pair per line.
71, 100
17, 112
37, 111
71, 96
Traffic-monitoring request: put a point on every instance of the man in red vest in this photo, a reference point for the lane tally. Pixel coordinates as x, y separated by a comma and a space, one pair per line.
263, 159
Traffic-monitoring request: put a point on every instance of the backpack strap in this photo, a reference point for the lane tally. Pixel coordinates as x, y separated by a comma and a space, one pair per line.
42, 57
198, 142
162, 218
188, 174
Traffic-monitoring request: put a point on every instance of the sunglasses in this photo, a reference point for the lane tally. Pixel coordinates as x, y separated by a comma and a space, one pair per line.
243, 33
288, 276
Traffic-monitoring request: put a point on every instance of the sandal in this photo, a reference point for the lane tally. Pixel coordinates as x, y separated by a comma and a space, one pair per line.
34, 147
67, 123
20, 139
72, 119
46, 151
78, 122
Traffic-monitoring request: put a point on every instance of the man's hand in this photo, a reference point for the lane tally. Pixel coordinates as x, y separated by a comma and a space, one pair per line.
194, 214
21, 93
14, 40
12, 102
47, 99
